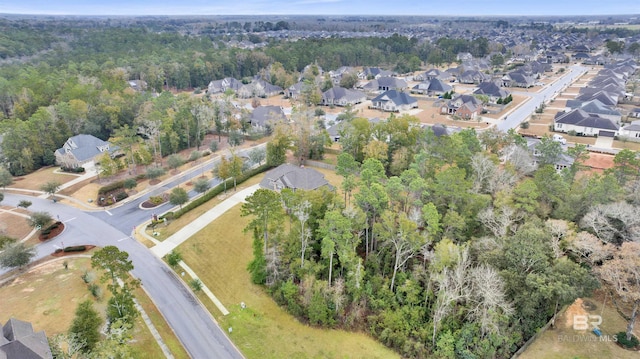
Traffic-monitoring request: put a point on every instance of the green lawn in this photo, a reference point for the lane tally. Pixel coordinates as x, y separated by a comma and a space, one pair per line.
219, 255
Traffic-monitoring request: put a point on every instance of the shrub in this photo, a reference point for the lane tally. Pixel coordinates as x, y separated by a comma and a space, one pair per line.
195, 284
622, 340
524, 125
88, 276
215, 191
111, 187
121, 195
95, 290
157, 200
130, 183
174, 258
72, 169
75, 249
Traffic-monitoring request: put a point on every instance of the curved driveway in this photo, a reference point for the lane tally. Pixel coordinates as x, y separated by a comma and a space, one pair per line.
189, 319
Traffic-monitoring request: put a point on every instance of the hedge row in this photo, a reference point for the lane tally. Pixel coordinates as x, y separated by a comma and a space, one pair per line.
72, 169
75, 249
111, 187
214, 191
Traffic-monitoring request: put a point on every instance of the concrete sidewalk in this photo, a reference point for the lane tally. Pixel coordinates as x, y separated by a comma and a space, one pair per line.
199, 223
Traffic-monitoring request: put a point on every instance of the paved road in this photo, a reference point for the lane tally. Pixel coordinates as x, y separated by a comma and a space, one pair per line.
128, 215
191, 322
550, 91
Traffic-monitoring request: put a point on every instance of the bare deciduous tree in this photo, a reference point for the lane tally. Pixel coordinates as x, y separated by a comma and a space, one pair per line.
559, 230
520, 159
614, 222
500, 221
488, 299
590, 248
622, 273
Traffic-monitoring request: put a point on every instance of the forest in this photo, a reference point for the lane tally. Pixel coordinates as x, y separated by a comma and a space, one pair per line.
437, 248
60, 78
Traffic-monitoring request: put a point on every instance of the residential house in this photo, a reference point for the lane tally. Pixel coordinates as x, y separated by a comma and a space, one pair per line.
386, 84
464, 56
267, 115
595, 107
82, 151
340, 96
394, 101
433, 74
465, 106
294, 91
19, 341
293, 177
336, 75
259, 88
433, 87
473, 77
563, 161
518, 79
373, 73
492, 90
584, 124
607, 98
634, 113
631, 131
220, 86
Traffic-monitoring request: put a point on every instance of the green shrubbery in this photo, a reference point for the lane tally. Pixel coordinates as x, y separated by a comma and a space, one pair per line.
631, 343
214, 192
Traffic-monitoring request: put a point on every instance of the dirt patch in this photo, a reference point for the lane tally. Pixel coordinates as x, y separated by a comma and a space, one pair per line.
574, 309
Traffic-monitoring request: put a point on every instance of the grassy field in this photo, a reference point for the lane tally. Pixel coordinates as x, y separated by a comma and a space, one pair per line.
13, 225
35, 180
565, 342
29, 297
219, 255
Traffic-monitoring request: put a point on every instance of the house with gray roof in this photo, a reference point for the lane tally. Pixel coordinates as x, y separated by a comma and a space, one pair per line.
220, 86
473, 77
492, 90
433, 87
465, 106
605, 97
294, 91
518, 79
595, 107
374, 73
631, 131
562, 161
394, 101
259, 88
266, 115
584, 124
386, 84
82, 150
19, 341
293, 177
340, 96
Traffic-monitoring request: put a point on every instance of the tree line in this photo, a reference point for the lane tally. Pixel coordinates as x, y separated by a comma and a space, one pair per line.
439, 250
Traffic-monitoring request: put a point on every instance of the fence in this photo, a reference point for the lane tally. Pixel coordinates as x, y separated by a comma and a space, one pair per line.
319, 164
538, 334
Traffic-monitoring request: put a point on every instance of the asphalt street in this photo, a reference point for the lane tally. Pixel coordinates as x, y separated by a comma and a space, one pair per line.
550, 91
189, 319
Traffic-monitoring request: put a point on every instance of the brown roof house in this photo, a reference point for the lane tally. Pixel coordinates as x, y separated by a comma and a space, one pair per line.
18, 341
294, 177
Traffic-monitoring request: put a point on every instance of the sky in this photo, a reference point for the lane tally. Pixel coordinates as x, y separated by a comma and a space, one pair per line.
321, 7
